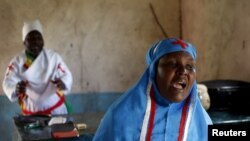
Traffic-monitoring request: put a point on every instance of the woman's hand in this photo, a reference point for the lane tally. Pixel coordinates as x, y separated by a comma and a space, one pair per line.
59, 84
21, 88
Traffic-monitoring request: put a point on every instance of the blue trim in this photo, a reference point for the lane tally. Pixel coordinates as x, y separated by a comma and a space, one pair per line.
80, 102
91, 102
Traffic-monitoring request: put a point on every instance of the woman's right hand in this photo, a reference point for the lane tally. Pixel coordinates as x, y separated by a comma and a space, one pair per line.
21, 88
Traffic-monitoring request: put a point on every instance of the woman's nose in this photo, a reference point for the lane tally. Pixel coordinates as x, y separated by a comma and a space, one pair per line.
182, 70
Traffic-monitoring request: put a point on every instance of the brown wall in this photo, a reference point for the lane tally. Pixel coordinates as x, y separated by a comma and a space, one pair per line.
103, 42
220, 30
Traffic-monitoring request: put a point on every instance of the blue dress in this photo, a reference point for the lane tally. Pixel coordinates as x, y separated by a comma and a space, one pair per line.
142, 114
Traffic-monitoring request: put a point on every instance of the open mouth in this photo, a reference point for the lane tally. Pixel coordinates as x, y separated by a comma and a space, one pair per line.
181, 84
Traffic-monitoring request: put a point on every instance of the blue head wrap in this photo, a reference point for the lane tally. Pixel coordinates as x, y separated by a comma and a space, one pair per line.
133, 108
163, 47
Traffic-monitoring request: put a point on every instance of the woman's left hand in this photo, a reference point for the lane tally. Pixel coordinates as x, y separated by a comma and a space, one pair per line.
59, 84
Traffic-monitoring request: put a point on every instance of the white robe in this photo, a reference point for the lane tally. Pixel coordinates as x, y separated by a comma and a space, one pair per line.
41, 92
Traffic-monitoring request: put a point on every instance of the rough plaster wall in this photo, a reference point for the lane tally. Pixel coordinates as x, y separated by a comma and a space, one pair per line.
103, 42
220, 30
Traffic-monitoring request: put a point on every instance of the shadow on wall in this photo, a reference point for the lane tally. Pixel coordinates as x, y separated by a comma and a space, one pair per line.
80, 103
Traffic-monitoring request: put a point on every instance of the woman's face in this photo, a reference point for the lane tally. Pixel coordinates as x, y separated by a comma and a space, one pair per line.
175, 74
34, 43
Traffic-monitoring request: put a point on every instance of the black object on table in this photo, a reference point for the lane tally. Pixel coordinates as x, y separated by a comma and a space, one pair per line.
229, 101
36, 128
229, 95
229, 117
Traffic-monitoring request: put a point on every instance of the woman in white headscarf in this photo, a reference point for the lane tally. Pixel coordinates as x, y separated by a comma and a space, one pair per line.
163, 105
38, 78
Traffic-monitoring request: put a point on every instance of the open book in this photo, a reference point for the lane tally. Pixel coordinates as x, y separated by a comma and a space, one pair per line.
64, 130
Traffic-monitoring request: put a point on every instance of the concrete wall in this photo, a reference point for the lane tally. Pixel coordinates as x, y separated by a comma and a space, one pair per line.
103, 42
220, 30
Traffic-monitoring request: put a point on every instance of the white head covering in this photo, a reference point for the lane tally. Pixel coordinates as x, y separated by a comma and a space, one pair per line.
30, 26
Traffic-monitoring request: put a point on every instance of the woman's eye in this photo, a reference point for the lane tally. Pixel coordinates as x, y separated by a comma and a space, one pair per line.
171, 65
190, 68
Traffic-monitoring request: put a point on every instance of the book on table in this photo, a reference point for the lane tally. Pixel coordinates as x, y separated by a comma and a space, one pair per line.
64, 130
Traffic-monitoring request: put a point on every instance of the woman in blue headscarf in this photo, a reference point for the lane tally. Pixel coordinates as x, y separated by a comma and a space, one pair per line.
163, 105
